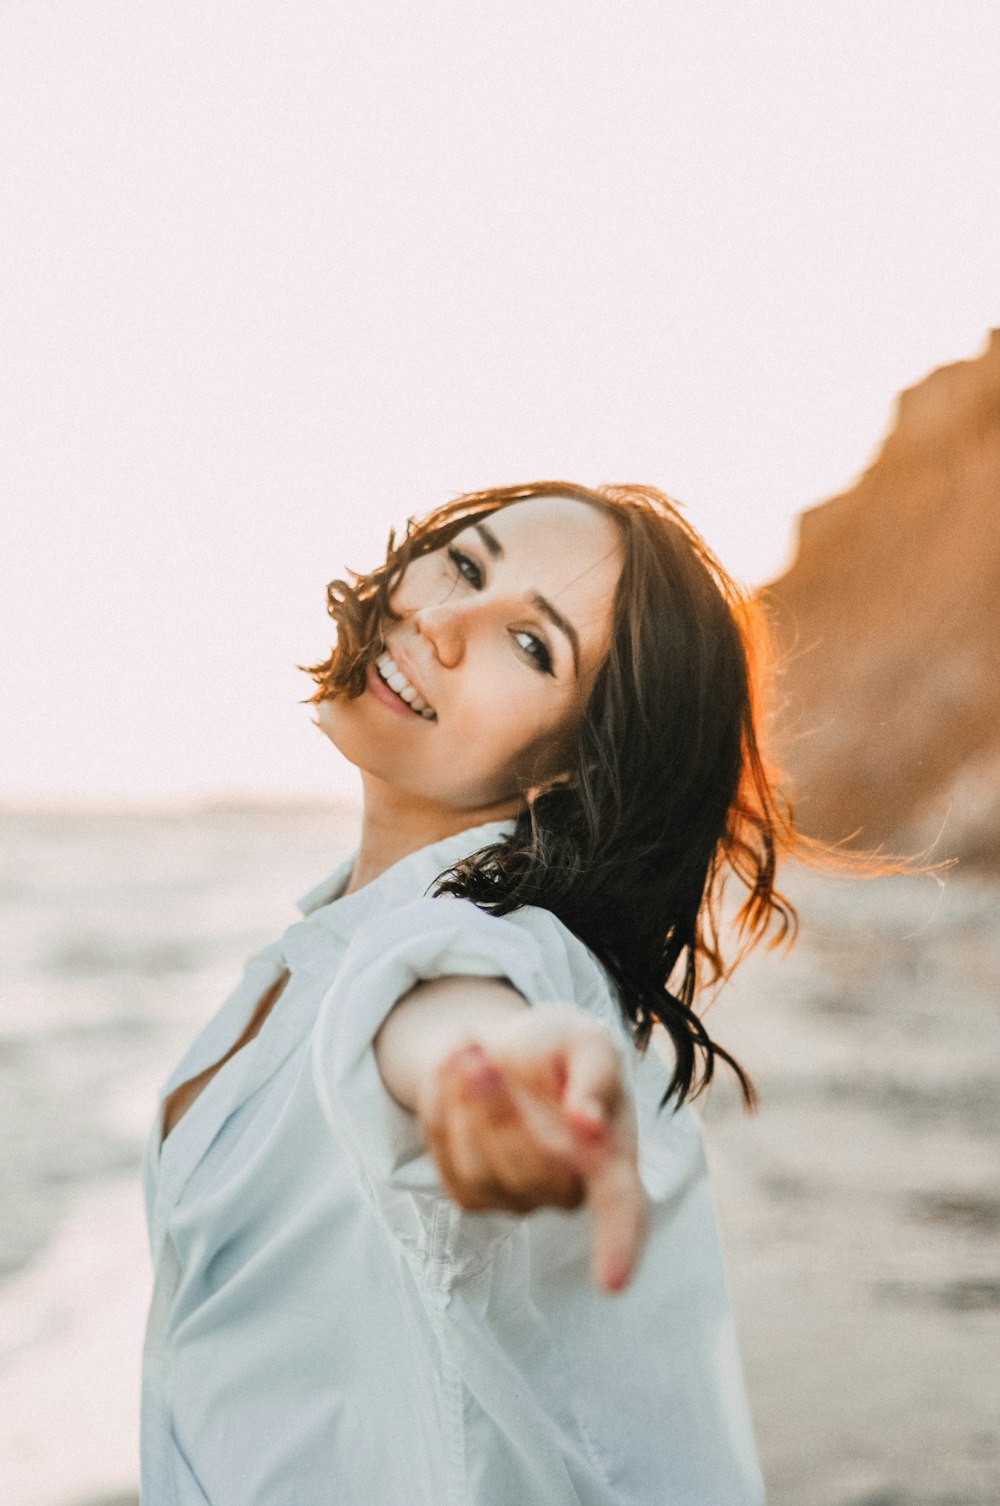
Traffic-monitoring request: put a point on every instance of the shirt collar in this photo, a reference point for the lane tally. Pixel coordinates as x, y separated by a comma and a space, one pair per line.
408, 879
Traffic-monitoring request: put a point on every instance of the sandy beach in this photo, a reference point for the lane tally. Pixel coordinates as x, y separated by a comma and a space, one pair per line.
860, 1207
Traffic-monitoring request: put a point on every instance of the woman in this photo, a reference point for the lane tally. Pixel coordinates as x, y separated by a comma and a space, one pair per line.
430, 1221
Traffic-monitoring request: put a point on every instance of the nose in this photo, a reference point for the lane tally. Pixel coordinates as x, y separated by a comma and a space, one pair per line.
445, 627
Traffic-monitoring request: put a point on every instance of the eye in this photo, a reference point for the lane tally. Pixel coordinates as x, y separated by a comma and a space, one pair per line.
466, 567
536, 649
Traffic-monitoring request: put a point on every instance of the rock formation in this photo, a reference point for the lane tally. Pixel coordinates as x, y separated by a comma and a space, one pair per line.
887, 628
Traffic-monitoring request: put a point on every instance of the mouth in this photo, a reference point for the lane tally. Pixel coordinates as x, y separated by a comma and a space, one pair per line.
390, 678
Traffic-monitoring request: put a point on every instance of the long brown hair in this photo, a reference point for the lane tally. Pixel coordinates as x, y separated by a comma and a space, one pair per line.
670, 794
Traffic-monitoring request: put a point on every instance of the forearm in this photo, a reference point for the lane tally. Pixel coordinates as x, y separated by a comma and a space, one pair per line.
434, 1019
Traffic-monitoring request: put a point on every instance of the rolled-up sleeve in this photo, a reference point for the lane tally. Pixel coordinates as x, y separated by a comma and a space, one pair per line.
387, 956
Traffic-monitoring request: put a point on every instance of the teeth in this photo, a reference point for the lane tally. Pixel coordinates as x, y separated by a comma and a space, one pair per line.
393, 676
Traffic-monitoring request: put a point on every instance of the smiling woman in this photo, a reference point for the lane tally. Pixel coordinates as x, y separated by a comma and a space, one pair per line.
503, 671
637, 777
393, 1182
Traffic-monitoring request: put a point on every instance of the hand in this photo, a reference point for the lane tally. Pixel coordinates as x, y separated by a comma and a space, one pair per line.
538, 1115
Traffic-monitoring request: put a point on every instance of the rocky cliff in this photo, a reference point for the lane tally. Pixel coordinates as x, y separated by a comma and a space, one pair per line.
887, 627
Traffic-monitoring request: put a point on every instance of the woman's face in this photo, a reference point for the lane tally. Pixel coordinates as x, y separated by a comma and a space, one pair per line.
502, 633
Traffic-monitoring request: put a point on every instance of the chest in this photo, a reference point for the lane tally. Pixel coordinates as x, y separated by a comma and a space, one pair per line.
180, 1100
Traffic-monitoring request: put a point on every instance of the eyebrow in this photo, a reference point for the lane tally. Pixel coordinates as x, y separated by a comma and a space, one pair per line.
494, 548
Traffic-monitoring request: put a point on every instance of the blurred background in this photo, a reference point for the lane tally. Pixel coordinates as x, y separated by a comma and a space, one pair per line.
276, 278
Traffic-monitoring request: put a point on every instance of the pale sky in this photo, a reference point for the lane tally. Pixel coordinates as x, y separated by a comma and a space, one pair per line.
276, 275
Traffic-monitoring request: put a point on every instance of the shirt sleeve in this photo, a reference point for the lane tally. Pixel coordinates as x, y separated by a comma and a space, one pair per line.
387, 956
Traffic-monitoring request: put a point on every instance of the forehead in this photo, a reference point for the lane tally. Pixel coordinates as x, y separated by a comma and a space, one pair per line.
571, 542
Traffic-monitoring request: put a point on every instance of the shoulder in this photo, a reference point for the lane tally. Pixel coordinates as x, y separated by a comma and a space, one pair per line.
588, 982
532, 947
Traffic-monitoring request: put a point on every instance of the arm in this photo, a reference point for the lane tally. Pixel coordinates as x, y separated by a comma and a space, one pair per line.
433, 1020
521, 1107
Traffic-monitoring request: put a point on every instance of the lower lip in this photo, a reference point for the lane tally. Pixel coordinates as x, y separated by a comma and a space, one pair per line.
381, 691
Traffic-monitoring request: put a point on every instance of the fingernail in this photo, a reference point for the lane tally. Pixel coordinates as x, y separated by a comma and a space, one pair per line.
480, 1075
589, 1122
590, 1108
486, 1079
617, 1273
467, 1058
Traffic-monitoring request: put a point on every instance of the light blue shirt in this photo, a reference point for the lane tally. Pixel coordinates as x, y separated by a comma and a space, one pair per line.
329, 1329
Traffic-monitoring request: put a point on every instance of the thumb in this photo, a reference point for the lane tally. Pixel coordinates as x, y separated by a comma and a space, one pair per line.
597, 1105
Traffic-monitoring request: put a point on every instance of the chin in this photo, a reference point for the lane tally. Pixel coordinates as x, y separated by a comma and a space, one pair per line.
373, 751
344, 722
337, 719
328, 713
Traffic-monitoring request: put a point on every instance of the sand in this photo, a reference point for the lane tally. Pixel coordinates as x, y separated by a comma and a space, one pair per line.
860, 1210
862, 1205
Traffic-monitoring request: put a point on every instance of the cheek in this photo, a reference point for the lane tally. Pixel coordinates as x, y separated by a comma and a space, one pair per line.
550, 753
519, 731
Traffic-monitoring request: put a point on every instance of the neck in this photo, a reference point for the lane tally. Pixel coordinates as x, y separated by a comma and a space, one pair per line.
395, 823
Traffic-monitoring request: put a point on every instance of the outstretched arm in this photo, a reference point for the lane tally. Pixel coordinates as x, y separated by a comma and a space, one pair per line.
521, 1107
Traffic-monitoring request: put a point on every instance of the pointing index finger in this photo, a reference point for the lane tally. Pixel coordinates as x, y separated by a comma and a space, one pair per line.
598, 1106
620, 1210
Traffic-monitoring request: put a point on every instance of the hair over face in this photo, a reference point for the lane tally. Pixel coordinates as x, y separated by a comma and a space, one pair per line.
669, 796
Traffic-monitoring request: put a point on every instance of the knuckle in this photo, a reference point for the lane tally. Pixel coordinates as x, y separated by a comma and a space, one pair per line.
610, 1056
469, 1199
571, 1196
523, 1202
500, 1111
549, 1191
454, 1189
